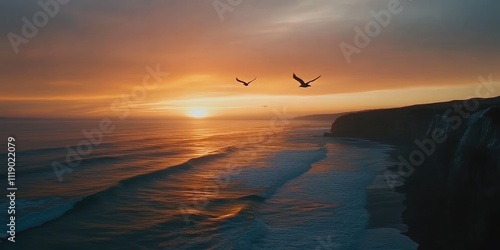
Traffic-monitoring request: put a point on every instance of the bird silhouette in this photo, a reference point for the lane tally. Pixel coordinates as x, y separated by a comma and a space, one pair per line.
264, 106
302, 83
245, 83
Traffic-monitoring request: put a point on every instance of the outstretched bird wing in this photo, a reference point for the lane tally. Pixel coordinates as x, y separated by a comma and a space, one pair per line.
240, 81
313, 80
252, 80
298, 79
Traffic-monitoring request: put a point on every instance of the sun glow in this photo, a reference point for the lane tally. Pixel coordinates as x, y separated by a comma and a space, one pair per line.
197, 112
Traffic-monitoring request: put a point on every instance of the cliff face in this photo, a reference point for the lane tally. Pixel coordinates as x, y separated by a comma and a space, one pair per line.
402, 125
453, 196
453, 199
391, 126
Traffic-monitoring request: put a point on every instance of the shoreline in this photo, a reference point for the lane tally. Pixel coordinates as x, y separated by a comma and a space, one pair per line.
450, 169
386, 229
386, 203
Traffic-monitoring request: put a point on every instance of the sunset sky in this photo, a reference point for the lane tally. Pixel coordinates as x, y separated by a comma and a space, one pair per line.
92, 53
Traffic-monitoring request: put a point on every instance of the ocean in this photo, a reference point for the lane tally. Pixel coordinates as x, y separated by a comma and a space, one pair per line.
191, 184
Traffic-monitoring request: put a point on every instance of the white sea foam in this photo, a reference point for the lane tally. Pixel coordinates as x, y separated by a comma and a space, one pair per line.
323, 207
38, 212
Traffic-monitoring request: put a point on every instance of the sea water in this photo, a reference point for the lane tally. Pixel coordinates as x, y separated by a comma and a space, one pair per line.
193, 185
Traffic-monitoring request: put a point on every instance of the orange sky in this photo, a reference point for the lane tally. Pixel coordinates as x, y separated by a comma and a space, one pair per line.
92, 53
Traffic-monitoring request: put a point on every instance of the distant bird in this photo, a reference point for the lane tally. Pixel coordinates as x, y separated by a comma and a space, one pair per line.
265, 106
245, 83
302, 83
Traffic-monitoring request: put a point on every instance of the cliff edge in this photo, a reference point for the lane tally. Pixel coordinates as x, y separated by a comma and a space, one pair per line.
404, 125
449, 164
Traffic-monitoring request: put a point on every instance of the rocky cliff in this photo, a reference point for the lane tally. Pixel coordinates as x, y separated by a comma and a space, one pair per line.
453, 198
453, 191
403, 125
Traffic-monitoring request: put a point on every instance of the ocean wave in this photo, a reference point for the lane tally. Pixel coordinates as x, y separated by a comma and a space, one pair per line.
41, 211
46, 167
45, 210
285, 166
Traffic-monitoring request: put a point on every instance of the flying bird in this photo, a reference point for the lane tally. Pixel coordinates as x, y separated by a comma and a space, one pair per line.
264, 106
302, 83
245, 83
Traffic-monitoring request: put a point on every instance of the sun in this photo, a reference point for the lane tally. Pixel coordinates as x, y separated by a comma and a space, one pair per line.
198, 112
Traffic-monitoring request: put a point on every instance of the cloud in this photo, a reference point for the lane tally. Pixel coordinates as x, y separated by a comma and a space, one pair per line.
101, 48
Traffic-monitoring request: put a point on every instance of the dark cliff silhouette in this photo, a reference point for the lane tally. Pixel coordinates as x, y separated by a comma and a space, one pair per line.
453, 197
